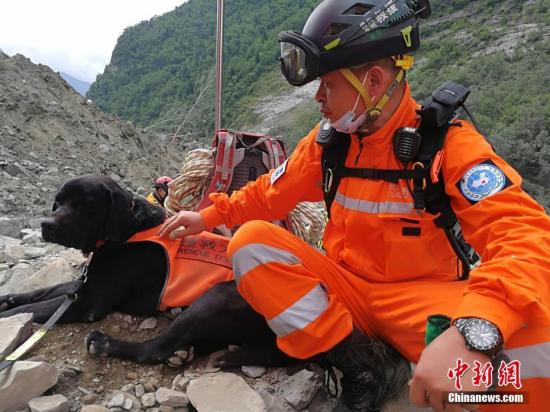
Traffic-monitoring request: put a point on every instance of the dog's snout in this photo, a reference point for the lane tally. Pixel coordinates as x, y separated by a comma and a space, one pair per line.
49, 227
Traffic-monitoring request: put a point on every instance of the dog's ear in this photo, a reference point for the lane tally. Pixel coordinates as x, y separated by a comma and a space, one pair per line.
120, 222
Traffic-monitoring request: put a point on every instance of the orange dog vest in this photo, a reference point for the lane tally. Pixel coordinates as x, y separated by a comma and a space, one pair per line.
195, 264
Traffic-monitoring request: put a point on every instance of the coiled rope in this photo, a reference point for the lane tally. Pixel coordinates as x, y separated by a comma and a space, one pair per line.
307, 220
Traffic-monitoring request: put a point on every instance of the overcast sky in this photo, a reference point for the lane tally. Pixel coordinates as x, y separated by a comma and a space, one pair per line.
74, 36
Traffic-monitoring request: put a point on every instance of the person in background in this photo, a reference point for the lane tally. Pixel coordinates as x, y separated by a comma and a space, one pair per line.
160, 191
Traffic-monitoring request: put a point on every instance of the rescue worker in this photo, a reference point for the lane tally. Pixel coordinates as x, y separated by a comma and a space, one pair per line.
387, 265
160, 191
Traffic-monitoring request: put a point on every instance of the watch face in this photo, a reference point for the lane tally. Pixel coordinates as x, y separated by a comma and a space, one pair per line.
481, 335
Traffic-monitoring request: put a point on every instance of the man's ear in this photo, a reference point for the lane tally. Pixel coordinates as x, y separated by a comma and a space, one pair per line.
120, 222
376, 80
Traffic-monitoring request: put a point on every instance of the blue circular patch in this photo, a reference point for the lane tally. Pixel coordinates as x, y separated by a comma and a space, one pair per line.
481, 181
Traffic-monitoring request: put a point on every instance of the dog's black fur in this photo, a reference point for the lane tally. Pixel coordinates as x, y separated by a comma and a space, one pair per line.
129, 277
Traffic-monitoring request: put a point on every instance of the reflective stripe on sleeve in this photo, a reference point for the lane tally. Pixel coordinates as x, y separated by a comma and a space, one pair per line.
304, 311
252, 255
534, 360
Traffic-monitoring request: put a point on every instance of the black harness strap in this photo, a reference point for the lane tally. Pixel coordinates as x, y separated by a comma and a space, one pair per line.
333, 163
332, 160
434, 197
388, 175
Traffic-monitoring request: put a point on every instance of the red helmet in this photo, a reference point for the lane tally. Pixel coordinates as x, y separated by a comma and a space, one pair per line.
163, 180
161, 183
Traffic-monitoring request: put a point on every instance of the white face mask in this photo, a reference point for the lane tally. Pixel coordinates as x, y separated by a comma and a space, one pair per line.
347, 123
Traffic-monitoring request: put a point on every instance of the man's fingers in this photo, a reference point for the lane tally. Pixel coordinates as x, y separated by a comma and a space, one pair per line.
170, 225
179, 233
417, 393
453, 407
437, 402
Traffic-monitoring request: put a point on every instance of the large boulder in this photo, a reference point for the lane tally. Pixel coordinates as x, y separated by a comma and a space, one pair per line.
224, 392
11, 226
13, 331
54, 403
24, 381
58, 271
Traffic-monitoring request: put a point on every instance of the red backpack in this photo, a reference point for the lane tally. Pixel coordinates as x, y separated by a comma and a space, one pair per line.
240, 157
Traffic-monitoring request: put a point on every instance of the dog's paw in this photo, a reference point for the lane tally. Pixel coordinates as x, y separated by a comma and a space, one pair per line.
180, 357
231, 358
97, 343
214, 363
6, 302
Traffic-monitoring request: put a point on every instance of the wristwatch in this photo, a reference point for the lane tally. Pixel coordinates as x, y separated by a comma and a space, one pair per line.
480, 335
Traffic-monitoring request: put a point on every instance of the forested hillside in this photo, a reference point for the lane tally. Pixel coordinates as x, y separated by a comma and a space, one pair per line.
158, 65
161, 69
501, 50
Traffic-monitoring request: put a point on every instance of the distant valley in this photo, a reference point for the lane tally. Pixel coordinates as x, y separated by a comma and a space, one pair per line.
80, 86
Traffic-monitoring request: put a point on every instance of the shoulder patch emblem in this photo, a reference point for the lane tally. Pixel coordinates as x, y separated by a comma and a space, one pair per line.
277, 173
481, 181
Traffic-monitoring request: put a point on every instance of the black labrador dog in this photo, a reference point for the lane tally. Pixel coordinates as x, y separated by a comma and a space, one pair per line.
129, 277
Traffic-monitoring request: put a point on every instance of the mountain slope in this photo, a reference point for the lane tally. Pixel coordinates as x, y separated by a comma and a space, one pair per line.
49, 133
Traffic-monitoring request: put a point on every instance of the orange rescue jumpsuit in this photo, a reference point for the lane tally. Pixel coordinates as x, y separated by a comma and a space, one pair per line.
377, 277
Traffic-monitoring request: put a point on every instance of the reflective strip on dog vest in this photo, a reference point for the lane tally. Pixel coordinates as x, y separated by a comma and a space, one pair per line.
304, 311
248, 257
195, 264
534, 359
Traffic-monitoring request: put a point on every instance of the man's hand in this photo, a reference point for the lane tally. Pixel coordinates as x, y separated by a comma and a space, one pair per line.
182, 224
430, 383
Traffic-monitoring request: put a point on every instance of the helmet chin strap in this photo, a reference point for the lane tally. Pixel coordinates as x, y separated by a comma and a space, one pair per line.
373, 111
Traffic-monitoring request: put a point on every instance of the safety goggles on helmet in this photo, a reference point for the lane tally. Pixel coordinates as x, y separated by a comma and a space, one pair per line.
335, 37
299, 58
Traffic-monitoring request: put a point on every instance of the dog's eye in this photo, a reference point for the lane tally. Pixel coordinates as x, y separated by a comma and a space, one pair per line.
82, 205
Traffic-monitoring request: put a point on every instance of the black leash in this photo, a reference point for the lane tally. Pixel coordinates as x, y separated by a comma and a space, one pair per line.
39, 334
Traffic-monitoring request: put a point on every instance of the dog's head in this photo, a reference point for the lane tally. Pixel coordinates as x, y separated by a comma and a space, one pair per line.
90, 209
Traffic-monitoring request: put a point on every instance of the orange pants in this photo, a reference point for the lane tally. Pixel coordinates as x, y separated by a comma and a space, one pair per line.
312, 303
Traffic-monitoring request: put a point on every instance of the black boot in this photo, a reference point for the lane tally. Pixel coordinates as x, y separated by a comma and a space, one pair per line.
373, 371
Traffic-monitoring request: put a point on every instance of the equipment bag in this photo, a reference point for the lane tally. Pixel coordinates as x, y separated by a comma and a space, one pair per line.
239, 158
